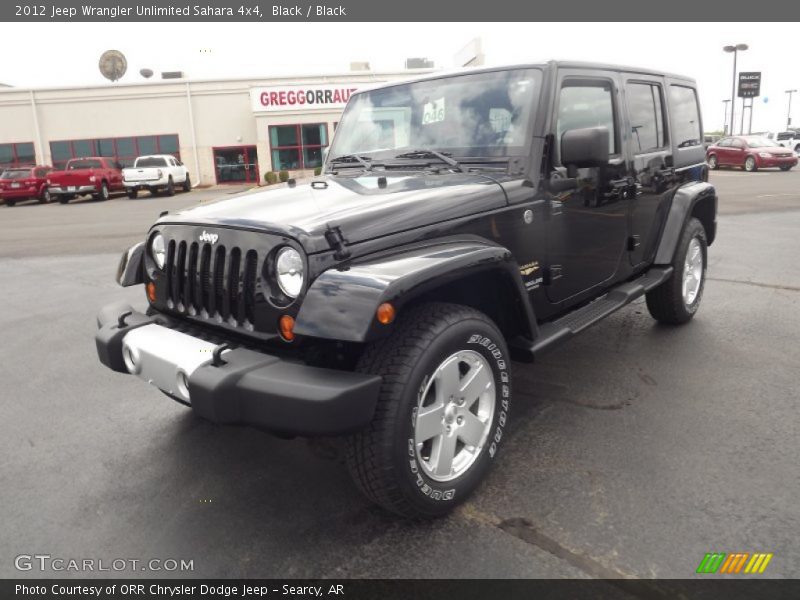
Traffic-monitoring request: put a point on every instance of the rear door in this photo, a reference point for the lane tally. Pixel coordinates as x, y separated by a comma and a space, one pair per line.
736, 152
651, 164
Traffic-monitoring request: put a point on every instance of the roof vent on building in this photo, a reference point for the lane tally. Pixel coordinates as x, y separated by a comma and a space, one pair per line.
359, 66
172, 75
419, 63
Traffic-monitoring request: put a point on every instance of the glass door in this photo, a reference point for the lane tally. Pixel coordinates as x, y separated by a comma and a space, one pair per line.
236, 164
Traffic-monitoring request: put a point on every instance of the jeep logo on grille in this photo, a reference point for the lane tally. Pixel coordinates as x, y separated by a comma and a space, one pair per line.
208, 237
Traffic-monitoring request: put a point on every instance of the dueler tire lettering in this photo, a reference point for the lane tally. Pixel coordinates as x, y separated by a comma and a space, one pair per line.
383, 458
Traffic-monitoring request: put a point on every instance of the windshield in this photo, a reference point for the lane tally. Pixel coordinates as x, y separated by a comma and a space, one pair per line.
152, 161
761, 143
476, 115
16, 174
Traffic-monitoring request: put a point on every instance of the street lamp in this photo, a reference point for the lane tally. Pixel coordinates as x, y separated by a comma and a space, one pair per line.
725, 120
789, 112
735, 49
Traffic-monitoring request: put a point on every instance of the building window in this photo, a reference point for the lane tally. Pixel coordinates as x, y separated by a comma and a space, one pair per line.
124, 150
297, 146
15, 155
236, 164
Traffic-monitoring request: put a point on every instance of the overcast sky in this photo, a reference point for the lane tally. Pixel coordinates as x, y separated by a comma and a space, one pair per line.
67, 53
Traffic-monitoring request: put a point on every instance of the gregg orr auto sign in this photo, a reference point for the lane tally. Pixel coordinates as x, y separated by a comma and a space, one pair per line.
300, 97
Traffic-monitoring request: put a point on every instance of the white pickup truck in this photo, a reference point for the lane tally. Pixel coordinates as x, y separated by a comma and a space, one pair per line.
154, 173
787, 139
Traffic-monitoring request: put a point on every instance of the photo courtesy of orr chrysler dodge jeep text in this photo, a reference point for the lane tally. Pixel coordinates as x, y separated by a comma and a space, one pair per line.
461, 221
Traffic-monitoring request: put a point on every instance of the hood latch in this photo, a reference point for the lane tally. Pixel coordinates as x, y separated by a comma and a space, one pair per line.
337, 242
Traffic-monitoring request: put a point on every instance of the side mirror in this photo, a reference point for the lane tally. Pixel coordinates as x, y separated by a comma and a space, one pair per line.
586, 147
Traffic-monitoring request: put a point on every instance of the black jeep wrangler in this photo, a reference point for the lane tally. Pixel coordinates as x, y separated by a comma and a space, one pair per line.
461, 221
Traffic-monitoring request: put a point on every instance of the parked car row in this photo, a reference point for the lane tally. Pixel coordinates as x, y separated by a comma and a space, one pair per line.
750, 153
93, 176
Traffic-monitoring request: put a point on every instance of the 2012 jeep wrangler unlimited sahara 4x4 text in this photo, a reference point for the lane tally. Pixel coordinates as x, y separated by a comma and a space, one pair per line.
461, 221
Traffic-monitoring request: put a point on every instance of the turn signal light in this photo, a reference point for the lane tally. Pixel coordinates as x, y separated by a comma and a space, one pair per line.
286, 327
151, 291
385, 313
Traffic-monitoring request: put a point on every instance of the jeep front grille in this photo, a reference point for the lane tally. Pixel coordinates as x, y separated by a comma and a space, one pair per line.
212, 283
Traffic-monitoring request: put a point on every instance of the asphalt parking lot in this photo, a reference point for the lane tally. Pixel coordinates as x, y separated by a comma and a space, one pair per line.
633, 450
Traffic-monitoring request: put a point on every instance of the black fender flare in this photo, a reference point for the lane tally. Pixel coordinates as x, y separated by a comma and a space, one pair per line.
130, 270
683, 202
341, 303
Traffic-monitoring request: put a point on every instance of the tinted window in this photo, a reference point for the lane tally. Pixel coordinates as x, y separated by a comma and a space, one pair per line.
84, 148
785, 135
645, 107
105, 148
84, 164
685, 116
725, 143
168, 144
147, 144
583, 105
16, 174
25, 153
151, 161
737, 143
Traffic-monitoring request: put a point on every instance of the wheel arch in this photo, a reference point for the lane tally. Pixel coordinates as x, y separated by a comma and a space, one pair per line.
341, 303
698, 200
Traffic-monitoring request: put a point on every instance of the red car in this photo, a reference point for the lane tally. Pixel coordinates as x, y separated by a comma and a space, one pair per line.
24, 183
750, 153
92, 176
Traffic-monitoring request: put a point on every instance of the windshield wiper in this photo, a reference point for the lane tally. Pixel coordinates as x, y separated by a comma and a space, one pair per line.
353, 158
426, 153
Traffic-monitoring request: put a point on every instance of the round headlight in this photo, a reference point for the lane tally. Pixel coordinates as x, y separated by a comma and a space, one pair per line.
289, 271
158, 250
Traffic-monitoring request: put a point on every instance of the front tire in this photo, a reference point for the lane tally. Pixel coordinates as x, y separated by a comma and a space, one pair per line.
441, 412
44, 197
750, 164
786, 167
170, 187
712, 162
676, 300
133, 193
10, 203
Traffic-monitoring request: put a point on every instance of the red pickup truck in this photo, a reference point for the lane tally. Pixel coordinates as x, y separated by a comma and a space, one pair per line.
94, 176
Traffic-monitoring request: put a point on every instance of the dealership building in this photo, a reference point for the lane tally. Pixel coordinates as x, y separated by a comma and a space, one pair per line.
224, 131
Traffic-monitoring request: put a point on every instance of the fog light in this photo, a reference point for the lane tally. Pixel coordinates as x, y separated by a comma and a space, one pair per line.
130, 359
151, 291
183, 384
286, 327
385, 313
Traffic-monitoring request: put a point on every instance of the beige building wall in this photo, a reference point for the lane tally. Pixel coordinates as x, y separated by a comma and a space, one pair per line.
204, 114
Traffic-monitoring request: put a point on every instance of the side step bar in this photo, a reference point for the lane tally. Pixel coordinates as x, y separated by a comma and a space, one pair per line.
563, 328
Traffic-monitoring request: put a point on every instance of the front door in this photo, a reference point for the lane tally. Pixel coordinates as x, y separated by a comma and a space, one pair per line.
587, 225
236, 164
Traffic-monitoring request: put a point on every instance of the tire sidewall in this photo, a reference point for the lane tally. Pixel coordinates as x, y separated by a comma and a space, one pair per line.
713, 163
438, 497
750, 161
103, 192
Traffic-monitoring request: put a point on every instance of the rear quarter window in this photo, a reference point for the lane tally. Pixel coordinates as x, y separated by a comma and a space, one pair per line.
685, 116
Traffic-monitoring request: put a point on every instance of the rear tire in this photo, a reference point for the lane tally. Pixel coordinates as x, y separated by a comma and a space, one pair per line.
10, 203
170, 187
44, 197
676, 300
426, 448
187, 184
133, 193
103, 193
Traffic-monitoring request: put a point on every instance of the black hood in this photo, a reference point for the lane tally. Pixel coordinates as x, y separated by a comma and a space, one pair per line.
361, 206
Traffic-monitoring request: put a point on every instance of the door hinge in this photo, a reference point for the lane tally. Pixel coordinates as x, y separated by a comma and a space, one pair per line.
551, 273
333, 234
633, 242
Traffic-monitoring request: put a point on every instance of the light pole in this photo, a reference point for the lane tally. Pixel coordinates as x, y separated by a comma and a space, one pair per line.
725, 120
735, 49
789, 111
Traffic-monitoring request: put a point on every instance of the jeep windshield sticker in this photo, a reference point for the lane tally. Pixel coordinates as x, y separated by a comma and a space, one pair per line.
433, 112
